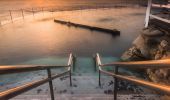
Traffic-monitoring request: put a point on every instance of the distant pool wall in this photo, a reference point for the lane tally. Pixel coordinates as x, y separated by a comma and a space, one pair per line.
92, 28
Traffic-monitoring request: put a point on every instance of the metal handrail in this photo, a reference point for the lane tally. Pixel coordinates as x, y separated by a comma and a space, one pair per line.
26, 68
149, 15
159, 18
24, 11
150, 64
165, 63
10, 93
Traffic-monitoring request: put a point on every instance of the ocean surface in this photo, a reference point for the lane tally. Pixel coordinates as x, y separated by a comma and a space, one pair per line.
18, 4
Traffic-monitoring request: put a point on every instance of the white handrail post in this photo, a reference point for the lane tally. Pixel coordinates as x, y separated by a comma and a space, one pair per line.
148, 11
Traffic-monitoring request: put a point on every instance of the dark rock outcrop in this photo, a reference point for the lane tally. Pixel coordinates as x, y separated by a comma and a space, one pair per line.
151, 44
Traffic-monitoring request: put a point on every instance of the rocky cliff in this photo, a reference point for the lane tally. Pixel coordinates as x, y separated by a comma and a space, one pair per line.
151, 44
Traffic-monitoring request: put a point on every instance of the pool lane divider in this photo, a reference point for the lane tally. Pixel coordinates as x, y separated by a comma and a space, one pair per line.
92, 28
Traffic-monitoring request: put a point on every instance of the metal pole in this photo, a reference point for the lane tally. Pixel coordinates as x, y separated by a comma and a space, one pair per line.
43, 11
126, 3
148, 11
11, 15
33, 12
50, 84
70, 78
74, 61
94, 57
99, 78
115, 83
52, 11
22, 13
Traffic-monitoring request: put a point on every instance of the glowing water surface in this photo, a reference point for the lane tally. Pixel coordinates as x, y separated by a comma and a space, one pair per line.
40, 37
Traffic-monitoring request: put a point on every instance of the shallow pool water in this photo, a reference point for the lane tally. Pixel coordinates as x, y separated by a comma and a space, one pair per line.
40, 37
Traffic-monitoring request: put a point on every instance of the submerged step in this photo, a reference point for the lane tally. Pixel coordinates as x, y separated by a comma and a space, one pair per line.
84, 65
110, 31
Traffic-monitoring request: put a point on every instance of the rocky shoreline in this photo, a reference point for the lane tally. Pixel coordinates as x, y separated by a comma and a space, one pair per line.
151, 44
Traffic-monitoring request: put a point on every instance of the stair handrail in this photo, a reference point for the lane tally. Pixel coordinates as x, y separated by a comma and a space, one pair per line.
10, 93
150, 64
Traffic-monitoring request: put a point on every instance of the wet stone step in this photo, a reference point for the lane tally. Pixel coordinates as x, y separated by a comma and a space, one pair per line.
88, 97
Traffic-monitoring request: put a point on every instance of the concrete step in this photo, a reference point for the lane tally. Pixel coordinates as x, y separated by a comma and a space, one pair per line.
88, 97
81, 85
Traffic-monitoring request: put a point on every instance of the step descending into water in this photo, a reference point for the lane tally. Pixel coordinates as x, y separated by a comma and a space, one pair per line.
88, 97
84, 66
85, 85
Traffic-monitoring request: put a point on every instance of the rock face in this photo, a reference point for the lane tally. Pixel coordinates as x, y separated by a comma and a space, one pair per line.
151, 44
160, 75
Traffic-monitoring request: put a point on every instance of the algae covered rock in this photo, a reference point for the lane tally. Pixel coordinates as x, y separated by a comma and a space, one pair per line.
133, 54
151, 44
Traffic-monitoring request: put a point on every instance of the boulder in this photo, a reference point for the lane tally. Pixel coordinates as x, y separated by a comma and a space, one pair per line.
164, 44
140, 44
152, 32
152, 44
133, 54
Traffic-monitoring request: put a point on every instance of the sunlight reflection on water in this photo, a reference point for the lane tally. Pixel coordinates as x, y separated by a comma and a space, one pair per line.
41, 38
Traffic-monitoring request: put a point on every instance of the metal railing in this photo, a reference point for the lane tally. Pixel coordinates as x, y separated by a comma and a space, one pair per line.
11, 15
149, 15
138, 64
10, 93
